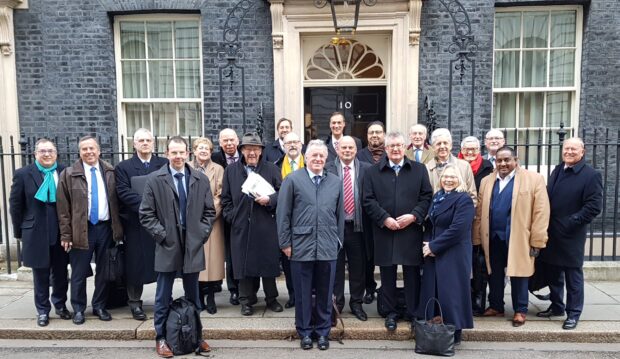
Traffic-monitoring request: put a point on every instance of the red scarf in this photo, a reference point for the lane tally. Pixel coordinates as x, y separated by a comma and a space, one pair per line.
475, 164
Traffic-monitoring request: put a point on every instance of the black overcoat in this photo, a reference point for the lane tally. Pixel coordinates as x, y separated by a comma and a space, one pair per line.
447, 275
253, 235
576, 197
35, 222
486, 168
273, 152
159, 215
388, 195
139, 245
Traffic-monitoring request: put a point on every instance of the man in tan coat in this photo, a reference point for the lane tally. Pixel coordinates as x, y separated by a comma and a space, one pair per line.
511, 224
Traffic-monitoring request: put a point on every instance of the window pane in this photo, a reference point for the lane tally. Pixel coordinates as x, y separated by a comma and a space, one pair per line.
164, 119
558, 108
563, 25
190, 119
505, 110
534, 68
529, 155
506, 69
138, 116
562, 68
186, 39
161, 79
132, 40
160, 40
535, 28
134, 79
531, 109
188, 79
507, 30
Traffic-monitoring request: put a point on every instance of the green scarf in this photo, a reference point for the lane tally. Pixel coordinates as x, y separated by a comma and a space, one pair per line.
47, 191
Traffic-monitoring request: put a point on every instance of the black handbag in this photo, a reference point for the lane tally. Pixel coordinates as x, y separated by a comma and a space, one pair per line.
114, 264
432, 337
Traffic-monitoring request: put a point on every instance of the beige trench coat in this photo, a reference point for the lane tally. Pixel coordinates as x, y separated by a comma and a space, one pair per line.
529, 220
214, 248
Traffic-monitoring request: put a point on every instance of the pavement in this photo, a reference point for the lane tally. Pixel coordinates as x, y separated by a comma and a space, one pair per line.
600, 321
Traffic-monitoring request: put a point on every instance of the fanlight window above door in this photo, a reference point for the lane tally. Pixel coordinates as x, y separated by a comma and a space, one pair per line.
347, 60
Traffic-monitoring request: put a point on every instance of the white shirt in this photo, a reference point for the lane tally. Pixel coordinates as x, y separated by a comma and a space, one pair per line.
104, 212
504, 182
334, 141
176, 181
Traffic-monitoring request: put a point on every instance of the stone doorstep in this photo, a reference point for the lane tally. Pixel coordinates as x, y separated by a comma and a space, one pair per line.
497, 330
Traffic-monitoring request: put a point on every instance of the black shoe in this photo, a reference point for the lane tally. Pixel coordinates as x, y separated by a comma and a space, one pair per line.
323, 343
570, 324
246, 310
390, 323
234, 298
548, 313
290, 303
63, 313
306, 343
78, 318
274, 306
211, 308
102, 314
43, 320
369, 297
138, 314
359, 313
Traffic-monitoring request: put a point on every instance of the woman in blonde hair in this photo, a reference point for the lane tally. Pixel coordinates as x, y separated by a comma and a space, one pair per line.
447, 253
210, 279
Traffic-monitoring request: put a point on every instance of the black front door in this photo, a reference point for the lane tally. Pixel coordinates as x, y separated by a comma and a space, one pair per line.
360, 105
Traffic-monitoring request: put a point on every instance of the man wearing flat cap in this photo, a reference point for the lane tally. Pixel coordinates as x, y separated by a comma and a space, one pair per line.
253, 237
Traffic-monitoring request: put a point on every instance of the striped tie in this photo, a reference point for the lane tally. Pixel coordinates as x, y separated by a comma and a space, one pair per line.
349, 203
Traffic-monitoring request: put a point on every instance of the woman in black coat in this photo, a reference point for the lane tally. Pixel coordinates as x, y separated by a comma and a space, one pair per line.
447, 253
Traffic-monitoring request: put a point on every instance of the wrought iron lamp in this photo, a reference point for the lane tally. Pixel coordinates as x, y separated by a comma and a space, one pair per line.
345, 14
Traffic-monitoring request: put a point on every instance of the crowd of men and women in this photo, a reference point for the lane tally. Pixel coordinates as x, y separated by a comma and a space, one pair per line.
453, 223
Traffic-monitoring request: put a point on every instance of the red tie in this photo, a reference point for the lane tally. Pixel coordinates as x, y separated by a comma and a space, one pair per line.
349, 203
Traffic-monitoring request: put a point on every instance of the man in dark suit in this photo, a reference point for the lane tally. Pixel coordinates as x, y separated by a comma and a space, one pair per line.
337, 124
275, 151
397, 195
351, 171
227, 155
139, 245
177, 210
35, 223
87, 208
576, 197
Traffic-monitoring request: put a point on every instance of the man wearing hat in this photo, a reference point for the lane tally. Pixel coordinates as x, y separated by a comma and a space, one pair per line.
253, 237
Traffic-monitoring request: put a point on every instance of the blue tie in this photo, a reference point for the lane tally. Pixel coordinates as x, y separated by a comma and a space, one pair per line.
317, 181
182, 197
94, 197
396, 169
418, 155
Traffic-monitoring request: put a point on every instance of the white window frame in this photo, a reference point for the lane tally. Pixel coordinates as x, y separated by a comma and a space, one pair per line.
575, 90
121, 100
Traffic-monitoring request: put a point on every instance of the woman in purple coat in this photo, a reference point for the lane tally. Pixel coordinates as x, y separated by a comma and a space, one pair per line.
447, 253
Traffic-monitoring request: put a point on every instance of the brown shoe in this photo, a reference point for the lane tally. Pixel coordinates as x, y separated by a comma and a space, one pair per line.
204, 347
490, 312
518, 320
163, 350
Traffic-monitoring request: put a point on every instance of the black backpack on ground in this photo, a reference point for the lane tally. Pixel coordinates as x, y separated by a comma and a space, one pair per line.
401, 304
183, 327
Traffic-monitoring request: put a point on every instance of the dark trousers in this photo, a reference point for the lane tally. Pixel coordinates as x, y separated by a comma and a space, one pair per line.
60, 285
163, 294
317, 275
354, 248
411, 279
286, 268
231, 282
134, 293
574, 289
371, 284
248, 287
99, 240
498, 256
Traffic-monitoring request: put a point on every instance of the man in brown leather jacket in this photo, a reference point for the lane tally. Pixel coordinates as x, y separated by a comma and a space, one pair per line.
88, 217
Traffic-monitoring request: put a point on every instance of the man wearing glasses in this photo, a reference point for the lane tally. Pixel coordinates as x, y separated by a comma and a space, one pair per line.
493, 141
35, 223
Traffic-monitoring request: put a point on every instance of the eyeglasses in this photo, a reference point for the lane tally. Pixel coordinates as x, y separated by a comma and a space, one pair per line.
378, 132
395, 146
46, 152
494, 138
291, 142
470, 150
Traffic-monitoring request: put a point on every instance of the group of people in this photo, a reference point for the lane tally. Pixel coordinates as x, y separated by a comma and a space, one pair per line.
454, 224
